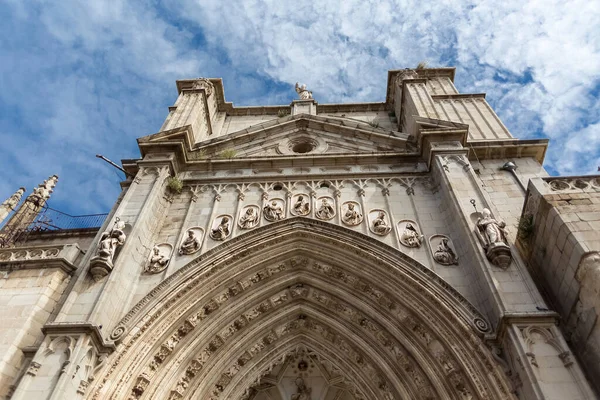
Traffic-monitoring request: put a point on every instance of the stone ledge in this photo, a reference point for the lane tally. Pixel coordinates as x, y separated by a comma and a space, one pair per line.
38, 257
80, 328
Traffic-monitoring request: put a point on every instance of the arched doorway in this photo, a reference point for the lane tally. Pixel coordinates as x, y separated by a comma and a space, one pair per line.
302, 309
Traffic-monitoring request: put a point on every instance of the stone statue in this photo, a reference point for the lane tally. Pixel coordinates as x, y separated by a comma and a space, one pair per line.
491, 230
190, 245
351, 216
273, 211
221, 231
301, 206
444, 253
14, 200
303, 92
157, 261
493, 238
249, 219
326, 210
410, 237
110, 241
381, 227
302, 392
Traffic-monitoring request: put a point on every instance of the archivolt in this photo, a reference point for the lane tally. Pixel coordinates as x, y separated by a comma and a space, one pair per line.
211, 329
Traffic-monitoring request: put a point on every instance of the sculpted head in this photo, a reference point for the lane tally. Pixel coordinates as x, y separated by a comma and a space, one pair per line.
190, 233
486, 213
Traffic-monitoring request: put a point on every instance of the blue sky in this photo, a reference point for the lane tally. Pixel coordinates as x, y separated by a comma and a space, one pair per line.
79, 78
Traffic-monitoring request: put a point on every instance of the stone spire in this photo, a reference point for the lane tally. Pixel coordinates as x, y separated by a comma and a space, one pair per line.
27, 212
11, 203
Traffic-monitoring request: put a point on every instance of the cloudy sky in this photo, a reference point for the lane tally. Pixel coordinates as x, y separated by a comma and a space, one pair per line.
79, 78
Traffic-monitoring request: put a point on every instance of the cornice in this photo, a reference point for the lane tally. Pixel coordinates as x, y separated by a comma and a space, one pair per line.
80, 328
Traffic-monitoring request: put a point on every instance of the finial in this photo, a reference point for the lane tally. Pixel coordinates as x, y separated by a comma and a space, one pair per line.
14, 200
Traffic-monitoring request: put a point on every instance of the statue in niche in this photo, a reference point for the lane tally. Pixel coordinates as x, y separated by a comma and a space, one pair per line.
325, 211
191, 244
222, 230
381, 227
493, 238
157, 261
273, 211
110, 241
444, 253
303, 92
302, 392
352, 216
491, 231
13, 200
410, 236
249, 219
301, 206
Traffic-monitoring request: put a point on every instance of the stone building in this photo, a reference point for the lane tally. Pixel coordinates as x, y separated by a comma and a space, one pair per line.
406, 249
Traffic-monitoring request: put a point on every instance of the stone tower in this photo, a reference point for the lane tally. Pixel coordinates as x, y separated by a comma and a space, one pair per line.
316, 251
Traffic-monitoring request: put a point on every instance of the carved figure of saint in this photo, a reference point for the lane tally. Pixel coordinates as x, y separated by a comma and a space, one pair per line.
410, 237
221, 231
191, 244
301, 206
325, 211
110, 240
381, 227
157, 261
490, 230
13, 200
302, 392
249, 219
273, 211
351, 216
444, 253
303, 92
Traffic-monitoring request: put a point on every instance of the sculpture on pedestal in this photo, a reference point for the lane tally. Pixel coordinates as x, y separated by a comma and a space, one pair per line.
191, 244
493, 238
303, 92
158, 260
249, 218
352, 216
102, 263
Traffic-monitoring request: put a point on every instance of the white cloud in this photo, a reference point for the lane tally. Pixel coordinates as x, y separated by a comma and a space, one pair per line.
88, 77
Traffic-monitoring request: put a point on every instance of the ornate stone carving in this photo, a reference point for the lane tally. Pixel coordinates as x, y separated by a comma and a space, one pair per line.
303, 92
249, 217
274, 210
443, 250
351, 213
577, 183
492, 236
191, 243
42, 192
102, 263
379, 224
159, 258
301, 205
325, 208
221, 228
410, 235
33, 369
13, 200
205, 84
302, 391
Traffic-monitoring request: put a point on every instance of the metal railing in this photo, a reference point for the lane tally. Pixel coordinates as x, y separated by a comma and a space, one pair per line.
50, 219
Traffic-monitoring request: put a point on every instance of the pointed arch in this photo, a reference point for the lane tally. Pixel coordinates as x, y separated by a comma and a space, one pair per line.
396, 327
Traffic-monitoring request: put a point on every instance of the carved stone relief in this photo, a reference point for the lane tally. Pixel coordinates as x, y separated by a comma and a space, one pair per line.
492, 235
274, 210
221, 227
192, 241
351, 213
159, 258
443, 250
300, 204
409, 233
379, 222
249, 217
325, 208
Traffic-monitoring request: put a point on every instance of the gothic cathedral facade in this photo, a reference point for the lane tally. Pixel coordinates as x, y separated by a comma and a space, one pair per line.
405, 249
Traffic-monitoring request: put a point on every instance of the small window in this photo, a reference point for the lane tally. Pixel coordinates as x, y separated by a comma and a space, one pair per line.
277, 187
324, 185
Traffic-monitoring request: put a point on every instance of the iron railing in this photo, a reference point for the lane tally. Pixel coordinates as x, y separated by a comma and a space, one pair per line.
50, 219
